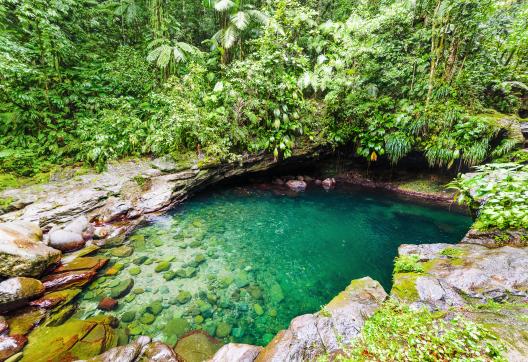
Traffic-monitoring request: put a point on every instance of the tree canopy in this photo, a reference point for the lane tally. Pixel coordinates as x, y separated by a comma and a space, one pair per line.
95, 80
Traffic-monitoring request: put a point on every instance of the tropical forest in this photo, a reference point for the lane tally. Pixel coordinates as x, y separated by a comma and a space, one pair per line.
263, 180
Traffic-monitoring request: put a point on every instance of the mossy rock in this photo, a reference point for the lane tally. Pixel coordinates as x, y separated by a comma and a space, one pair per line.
128, 317
183, 297
176, 327
170, 275
197, 346
122, 288
155, 307
134, 271
147, 318
140, 260
258, 309
162, 266
122, 251
188, 272
223, 330
73, 340
404, 287
241, 279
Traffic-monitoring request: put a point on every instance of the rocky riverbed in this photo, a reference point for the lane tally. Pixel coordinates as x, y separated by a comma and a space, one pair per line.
49, 236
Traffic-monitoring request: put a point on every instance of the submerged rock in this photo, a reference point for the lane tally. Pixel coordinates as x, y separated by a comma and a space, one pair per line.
223, 329
183, 297
122, 288
55, 299
73, 340
235, 352
16, 292
296, 185
328, 183
67, 280
22, 253
82, 263
196, 346
107, 304
176, 327
24, 320
311, 335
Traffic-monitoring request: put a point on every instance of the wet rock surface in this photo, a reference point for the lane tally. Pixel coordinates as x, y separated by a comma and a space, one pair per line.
311, 335
16, 292
236, 352
456, 275
21, 251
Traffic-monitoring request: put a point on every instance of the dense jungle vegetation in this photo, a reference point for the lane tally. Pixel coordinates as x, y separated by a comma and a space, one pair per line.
88, 81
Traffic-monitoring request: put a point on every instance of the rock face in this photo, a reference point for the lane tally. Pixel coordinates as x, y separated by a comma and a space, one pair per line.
127, 353
22, 253
468, 276
296, 185
10, 345
15, 292
158, 352
73, 340
311, 335
235, 352
454, 273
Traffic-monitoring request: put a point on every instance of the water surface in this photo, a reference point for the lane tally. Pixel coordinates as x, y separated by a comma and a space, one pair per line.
246, 260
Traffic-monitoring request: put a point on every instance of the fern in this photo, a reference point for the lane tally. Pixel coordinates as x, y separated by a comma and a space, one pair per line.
397, 146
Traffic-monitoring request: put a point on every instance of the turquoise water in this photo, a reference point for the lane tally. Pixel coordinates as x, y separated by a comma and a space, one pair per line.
240, 263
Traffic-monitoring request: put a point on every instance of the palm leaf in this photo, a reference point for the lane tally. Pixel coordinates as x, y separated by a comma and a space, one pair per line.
240, 20
224, 5
259, 16
230, 37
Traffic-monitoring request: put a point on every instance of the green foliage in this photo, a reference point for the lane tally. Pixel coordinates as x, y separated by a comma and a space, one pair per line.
93, 81
499, 193
408, 264
397, 333
452, 252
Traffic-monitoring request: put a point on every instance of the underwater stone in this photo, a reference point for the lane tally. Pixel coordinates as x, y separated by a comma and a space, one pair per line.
195, 243
225, 281
122, 289
186, 272
241, 279
223, 330
212, 298
272, 312
163, 266
138, 291
255, 292
183, 297
148, 262
129, 316
266, 338
197, 346
276, 295
107, 304
73, 279
198, 319
147, 318
134, 271
129, 298
164, 290
258, 309
122, 251
237, 332
168, 276
155, 307
55, 299
176, 327
140, 260
157, 242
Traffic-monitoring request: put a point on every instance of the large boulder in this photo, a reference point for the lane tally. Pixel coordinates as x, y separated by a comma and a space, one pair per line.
312, 335
71, 236
15, 292
22, 253
455, 275
236, 352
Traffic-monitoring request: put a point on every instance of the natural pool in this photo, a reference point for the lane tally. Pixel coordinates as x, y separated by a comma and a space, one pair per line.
241, 262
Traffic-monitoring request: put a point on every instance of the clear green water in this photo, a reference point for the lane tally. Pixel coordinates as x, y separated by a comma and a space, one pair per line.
266, 258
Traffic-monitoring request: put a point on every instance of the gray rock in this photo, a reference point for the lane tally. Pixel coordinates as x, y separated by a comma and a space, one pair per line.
459, 274
15, 292
310, 335
236, 352
65, 240
128, 353
21, 254
296, 185
328, 183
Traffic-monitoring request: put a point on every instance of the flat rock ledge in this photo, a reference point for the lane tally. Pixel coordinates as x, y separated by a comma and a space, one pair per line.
485, 285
